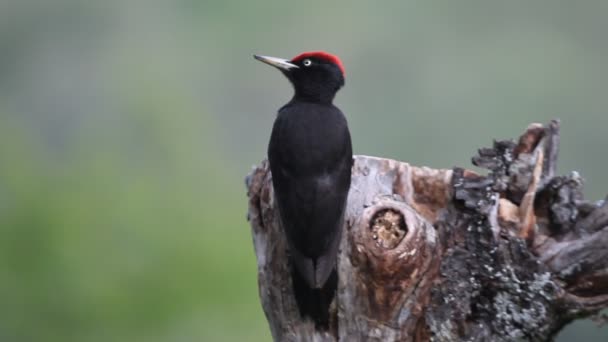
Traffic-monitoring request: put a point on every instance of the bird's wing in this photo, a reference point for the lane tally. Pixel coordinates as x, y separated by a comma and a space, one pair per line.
312, 216
311, 176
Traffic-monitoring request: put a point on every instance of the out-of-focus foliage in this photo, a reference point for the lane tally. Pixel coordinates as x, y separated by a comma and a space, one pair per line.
126, 128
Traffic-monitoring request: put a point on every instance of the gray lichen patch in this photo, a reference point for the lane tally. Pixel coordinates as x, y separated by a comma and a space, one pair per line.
522, 306
388, 228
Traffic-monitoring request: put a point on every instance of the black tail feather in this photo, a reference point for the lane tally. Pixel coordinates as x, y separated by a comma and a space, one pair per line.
315, 303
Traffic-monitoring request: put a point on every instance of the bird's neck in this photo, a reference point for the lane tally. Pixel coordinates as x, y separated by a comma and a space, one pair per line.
314, 97
318, 92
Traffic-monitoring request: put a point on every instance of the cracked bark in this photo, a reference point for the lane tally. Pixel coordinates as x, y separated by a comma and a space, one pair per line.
449, 255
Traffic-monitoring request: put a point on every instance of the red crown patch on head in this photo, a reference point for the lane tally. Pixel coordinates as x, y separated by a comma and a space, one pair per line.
328, 57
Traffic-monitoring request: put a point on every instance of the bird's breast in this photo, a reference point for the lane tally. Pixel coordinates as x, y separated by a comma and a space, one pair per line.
313, 142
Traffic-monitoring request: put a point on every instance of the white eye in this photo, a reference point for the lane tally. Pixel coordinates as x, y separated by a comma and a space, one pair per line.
307, 62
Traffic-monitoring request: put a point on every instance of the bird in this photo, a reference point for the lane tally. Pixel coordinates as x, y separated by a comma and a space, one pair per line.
310, 157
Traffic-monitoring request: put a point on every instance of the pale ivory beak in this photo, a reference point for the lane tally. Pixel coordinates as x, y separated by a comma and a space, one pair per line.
279, 63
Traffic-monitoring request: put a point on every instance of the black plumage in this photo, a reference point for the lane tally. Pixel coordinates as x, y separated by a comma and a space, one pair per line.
310, 160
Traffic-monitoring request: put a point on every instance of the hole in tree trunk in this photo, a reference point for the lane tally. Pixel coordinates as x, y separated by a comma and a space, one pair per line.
388, 228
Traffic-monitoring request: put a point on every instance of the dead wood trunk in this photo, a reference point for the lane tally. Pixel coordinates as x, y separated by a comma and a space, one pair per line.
449, 255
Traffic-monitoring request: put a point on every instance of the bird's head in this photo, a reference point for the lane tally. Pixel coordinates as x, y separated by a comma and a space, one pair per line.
316, 76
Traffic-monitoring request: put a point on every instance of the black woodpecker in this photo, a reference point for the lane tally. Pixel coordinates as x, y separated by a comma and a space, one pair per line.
310, 156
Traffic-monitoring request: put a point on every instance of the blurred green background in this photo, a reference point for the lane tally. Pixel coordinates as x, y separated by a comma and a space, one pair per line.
127, 127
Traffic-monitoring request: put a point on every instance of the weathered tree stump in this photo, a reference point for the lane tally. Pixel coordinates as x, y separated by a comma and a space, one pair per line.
449, 255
